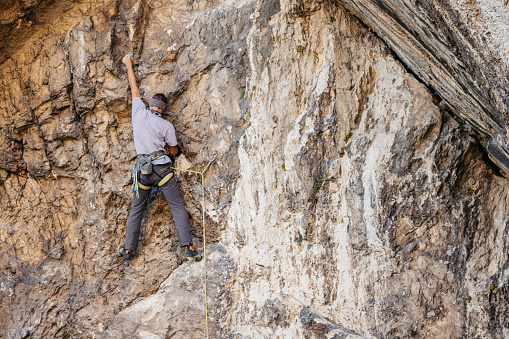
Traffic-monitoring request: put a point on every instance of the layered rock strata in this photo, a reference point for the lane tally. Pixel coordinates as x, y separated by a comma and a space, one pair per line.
347, 202
460, 49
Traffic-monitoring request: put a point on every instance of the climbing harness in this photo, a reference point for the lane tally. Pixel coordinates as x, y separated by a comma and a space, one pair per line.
143, 165
163, 181
204, 240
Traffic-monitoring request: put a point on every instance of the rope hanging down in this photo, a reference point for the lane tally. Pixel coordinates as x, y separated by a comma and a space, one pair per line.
204, 239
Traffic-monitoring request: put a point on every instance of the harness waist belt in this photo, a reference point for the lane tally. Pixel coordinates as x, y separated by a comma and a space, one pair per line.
144, 161
143, 165
160, 183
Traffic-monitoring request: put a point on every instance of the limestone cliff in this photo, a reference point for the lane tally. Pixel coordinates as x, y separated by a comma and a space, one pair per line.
353, 195
459, 48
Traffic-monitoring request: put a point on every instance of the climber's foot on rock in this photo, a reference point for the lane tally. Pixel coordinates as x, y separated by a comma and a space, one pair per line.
127, 254
192, 253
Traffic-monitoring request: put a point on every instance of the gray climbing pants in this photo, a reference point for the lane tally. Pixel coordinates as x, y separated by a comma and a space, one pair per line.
171, 192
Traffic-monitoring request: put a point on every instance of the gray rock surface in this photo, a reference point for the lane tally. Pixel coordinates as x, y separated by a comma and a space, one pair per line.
347, 200
368, 204
459, 48
177, 309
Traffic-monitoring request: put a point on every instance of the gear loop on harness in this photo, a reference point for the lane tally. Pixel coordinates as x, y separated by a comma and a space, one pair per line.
143, 165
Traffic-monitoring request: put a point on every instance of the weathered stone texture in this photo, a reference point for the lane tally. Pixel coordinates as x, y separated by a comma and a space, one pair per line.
347, 200
67, 152
460, 48
368, 204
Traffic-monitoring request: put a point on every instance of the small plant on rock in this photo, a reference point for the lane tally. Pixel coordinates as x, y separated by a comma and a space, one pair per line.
470, 191
283, 166
298, 48
485, 140
332, 19
492, 287
299, 238
320, 182
342, 152
348, 136
357, 118
242, 94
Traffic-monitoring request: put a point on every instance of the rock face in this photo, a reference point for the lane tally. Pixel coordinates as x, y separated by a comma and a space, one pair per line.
461, 49
347, 201
67, 152
368, 204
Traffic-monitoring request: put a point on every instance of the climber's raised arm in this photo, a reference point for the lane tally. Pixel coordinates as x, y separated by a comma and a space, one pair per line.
132, 78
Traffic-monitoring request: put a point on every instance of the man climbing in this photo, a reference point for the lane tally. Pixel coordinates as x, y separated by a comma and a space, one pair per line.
151, 134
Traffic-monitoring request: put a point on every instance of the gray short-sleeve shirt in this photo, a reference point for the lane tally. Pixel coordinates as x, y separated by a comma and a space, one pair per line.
151, 133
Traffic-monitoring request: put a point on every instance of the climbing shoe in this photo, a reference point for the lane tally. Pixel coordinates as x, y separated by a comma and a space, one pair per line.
192, 254
122, 252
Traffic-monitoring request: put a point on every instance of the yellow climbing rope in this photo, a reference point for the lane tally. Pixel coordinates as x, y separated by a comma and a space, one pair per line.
204, 239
